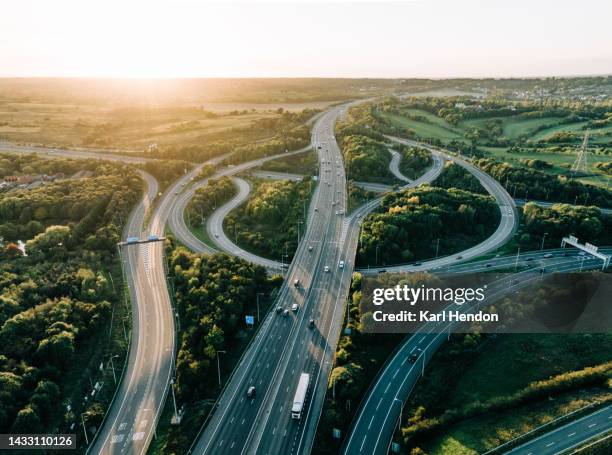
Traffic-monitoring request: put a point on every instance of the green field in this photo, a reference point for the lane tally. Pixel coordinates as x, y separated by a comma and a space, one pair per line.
423, 129
502, 366
548, 132
513, 127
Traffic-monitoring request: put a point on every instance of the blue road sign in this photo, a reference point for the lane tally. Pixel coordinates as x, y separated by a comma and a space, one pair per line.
250, 320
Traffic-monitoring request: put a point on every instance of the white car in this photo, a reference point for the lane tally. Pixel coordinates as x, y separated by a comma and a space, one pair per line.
341, 264
326, 269
294, 307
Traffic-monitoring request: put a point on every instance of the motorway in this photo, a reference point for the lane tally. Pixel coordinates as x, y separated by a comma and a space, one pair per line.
547, 204
375, 423
285, 346
569, 436
131, 418
50, 152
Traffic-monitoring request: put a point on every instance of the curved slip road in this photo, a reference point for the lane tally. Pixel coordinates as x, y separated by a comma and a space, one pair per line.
214, 228
394, 166
177, 224
504, 232
377, 418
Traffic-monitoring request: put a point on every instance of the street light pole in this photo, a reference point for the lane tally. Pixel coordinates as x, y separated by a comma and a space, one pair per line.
219, 366
543, 237
258, 294
376, 255
174, 399
84, 429
113, 367
518, 252
437, 246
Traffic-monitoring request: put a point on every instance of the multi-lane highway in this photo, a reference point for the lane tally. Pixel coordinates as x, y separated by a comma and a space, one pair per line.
285, 345
130, 421
377, 418
569, 436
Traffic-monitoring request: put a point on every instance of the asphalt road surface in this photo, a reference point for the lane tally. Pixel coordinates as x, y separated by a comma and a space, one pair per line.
375, 423
285, 345
394, 166
176, 220
568, 436
504, 231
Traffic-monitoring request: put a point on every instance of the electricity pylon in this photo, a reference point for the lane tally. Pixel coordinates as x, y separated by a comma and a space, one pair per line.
580, 165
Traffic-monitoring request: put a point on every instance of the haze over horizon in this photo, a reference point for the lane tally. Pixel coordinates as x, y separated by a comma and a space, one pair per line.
190, 39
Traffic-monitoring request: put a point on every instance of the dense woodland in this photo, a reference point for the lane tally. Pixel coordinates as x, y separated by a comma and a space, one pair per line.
166, 171
408, 225
589, 224
533, 184
55, 303
268, 223
213, 294
455, 176
207, 198
415, 160
366, 157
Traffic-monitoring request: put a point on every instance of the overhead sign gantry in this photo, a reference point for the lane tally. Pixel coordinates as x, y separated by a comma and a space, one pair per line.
587, 248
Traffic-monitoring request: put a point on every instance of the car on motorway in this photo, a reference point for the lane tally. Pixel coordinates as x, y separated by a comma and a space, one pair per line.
341, 265
296, 283
529, 259
216, 235
316, 209
309, 247
548, 255
251, 391
336, 212
311, 323
414, 355
326, 269
488, 265
417, 263
286, 313
279, 309
382, 270
294, 307
459, 257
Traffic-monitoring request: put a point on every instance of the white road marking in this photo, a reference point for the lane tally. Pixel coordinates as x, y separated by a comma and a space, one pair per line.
117, 438
592, 425
550, 444
138, 436
571, 434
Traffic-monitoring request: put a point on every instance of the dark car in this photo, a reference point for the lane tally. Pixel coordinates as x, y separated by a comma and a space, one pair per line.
251, 392
311, 323
279, 309
414, 355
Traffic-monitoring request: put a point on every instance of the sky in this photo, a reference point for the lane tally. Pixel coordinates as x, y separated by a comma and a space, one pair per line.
202, 38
